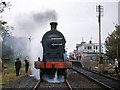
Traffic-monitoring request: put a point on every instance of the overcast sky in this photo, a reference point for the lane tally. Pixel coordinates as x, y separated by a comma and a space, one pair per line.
76, 18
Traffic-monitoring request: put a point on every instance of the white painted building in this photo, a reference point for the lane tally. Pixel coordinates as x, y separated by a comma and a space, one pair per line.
89, 47
86, 49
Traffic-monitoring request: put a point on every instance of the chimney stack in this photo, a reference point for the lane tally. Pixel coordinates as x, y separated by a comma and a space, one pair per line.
53, 25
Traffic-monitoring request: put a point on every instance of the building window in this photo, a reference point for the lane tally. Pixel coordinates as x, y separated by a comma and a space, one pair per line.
96, 47
90, 47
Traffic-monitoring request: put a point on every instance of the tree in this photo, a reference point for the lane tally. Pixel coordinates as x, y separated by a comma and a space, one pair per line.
3, 23
3, 5
5, 31
112, 44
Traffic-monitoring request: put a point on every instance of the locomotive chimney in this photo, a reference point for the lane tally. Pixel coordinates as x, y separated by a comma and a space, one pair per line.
53, 25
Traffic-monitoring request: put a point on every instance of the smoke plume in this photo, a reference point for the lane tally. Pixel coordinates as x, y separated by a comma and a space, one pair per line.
32, 24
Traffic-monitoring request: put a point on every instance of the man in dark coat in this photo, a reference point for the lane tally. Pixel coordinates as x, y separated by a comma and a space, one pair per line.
119, 65
26, 64
17, 66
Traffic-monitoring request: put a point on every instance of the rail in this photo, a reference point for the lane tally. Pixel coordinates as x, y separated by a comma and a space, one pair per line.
35, 88
105, 81
66, 81
68, 84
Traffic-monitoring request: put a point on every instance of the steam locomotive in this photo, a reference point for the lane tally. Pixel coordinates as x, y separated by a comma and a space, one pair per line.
53, 43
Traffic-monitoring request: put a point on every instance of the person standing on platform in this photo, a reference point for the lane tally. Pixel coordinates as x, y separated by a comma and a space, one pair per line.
116, 66
65, 56
38, 58
26, 64
17, 66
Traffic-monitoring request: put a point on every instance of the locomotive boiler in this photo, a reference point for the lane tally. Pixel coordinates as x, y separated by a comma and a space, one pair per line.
53, 43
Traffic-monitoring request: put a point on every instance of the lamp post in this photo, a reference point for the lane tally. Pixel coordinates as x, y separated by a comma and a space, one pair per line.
29, 46
99, 10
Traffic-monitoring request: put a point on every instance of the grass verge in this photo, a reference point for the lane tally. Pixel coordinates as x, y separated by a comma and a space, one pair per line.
9, 72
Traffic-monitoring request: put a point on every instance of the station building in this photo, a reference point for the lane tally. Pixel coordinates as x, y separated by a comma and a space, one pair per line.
88, 51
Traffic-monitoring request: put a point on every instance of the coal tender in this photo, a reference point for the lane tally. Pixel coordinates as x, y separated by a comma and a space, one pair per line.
53, 43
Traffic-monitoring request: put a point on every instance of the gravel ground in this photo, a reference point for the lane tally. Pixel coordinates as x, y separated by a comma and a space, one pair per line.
78, 81
25, 82
86, 63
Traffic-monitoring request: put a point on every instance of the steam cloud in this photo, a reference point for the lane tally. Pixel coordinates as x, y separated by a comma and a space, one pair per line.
33, 24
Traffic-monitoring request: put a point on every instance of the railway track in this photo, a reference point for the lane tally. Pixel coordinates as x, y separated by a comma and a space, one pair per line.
103, 80
46, 86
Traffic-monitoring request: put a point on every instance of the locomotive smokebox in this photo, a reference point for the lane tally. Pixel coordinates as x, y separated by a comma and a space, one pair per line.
53, 25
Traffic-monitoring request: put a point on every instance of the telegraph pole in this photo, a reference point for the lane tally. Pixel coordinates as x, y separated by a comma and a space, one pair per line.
99, 10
